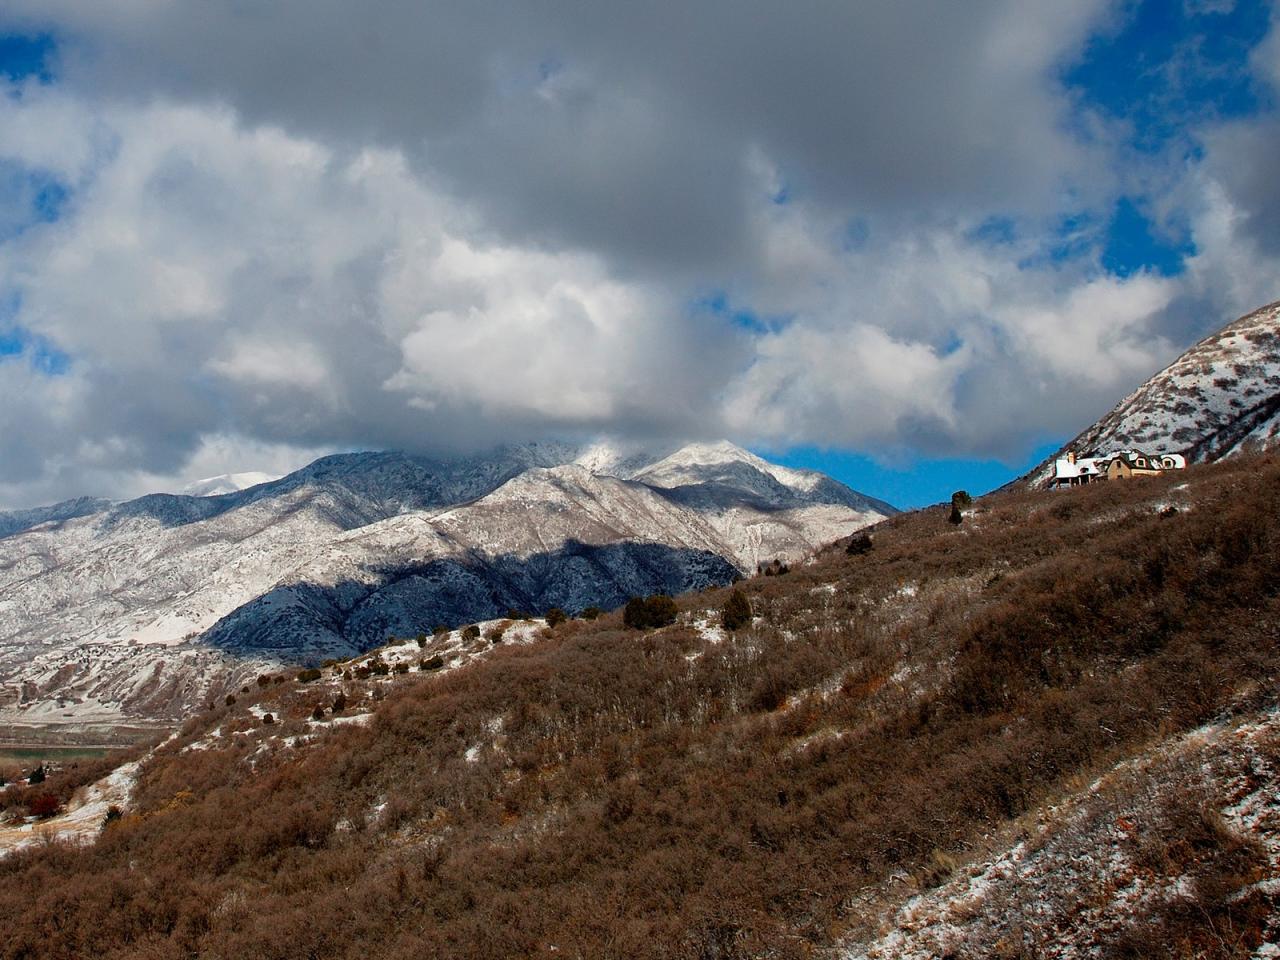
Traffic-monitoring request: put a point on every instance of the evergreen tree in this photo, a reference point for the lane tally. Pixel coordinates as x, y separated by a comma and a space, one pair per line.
736, 612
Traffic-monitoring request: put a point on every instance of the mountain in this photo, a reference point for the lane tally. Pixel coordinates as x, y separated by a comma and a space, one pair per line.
1215, 400
1050, 731
117, 617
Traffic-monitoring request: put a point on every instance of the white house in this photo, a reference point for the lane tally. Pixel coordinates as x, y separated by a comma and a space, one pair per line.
1069, 471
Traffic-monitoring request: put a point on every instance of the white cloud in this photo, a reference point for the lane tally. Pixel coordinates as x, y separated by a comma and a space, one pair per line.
214, 280
497, 223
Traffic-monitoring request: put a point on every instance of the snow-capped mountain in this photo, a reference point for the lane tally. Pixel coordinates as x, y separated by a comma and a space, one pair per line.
726, 468
1220, 396
115, 615
226, 483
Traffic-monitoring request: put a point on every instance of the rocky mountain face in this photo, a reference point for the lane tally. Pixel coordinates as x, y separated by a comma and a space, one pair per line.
114, 617
1217, 398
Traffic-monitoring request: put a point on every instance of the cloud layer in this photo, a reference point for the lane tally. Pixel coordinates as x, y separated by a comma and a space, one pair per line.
321, 225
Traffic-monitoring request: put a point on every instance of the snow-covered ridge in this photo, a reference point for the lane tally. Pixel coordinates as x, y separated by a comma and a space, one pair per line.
225, 483
727, 465
119, 615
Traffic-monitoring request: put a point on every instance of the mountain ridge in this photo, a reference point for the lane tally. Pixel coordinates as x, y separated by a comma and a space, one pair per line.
204, 591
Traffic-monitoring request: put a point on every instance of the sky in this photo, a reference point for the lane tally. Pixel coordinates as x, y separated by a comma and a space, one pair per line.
918, 245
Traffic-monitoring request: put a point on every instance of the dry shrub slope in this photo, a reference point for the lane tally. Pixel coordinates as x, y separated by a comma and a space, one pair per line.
603, 793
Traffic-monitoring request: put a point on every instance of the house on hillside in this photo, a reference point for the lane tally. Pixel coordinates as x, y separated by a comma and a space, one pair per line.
1070, 471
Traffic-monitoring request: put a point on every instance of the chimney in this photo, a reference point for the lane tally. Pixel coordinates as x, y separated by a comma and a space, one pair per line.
1071, 456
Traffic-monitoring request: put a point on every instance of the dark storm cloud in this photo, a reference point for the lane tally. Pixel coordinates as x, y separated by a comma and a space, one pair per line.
622, 127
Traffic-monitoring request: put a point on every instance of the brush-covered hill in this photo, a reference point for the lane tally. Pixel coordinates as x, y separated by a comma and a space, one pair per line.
1049, 731
1220, 397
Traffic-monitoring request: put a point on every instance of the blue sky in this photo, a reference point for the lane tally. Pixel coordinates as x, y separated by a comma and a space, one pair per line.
916, 248
917, 482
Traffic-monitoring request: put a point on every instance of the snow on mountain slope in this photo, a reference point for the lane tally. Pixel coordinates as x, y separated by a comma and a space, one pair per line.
611, 459
15, 521
728, 467
225, 483
1218, 397
137, 612
551, 537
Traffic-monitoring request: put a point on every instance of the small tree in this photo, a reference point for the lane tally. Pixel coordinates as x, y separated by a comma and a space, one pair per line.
647, 613
859, 545
318, 712
422, 640
309, 675
471, 633
635, 614
555, 617
432, 663
231, 700
736, 612
591, 613
402, 667
37, 775
44, 805
339, 702
268, 719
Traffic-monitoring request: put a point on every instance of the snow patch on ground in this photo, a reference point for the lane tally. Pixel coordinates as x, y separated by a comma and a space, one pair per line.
1073, 879
84, 817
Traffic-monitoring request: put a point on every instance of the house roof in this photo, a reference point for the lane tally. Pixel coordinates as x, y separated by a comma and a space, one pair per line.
1086, 467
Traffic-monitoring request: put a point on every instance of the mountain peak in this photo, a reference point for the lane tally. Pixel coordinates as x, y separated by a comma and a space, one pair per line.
226, 483
726, 466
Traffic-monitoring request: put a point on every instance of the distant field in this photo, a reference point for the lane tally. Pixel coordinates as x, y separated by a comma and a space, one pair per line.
20, 754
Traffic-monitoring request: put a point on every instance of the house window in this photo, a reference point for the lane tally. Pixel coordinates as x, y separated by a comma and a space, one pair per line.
1140, 462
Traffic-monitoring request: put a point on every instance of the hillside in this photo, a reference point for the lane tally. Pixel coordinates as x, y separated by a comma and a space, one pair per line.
1218, 398
119, 618
1051, 731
